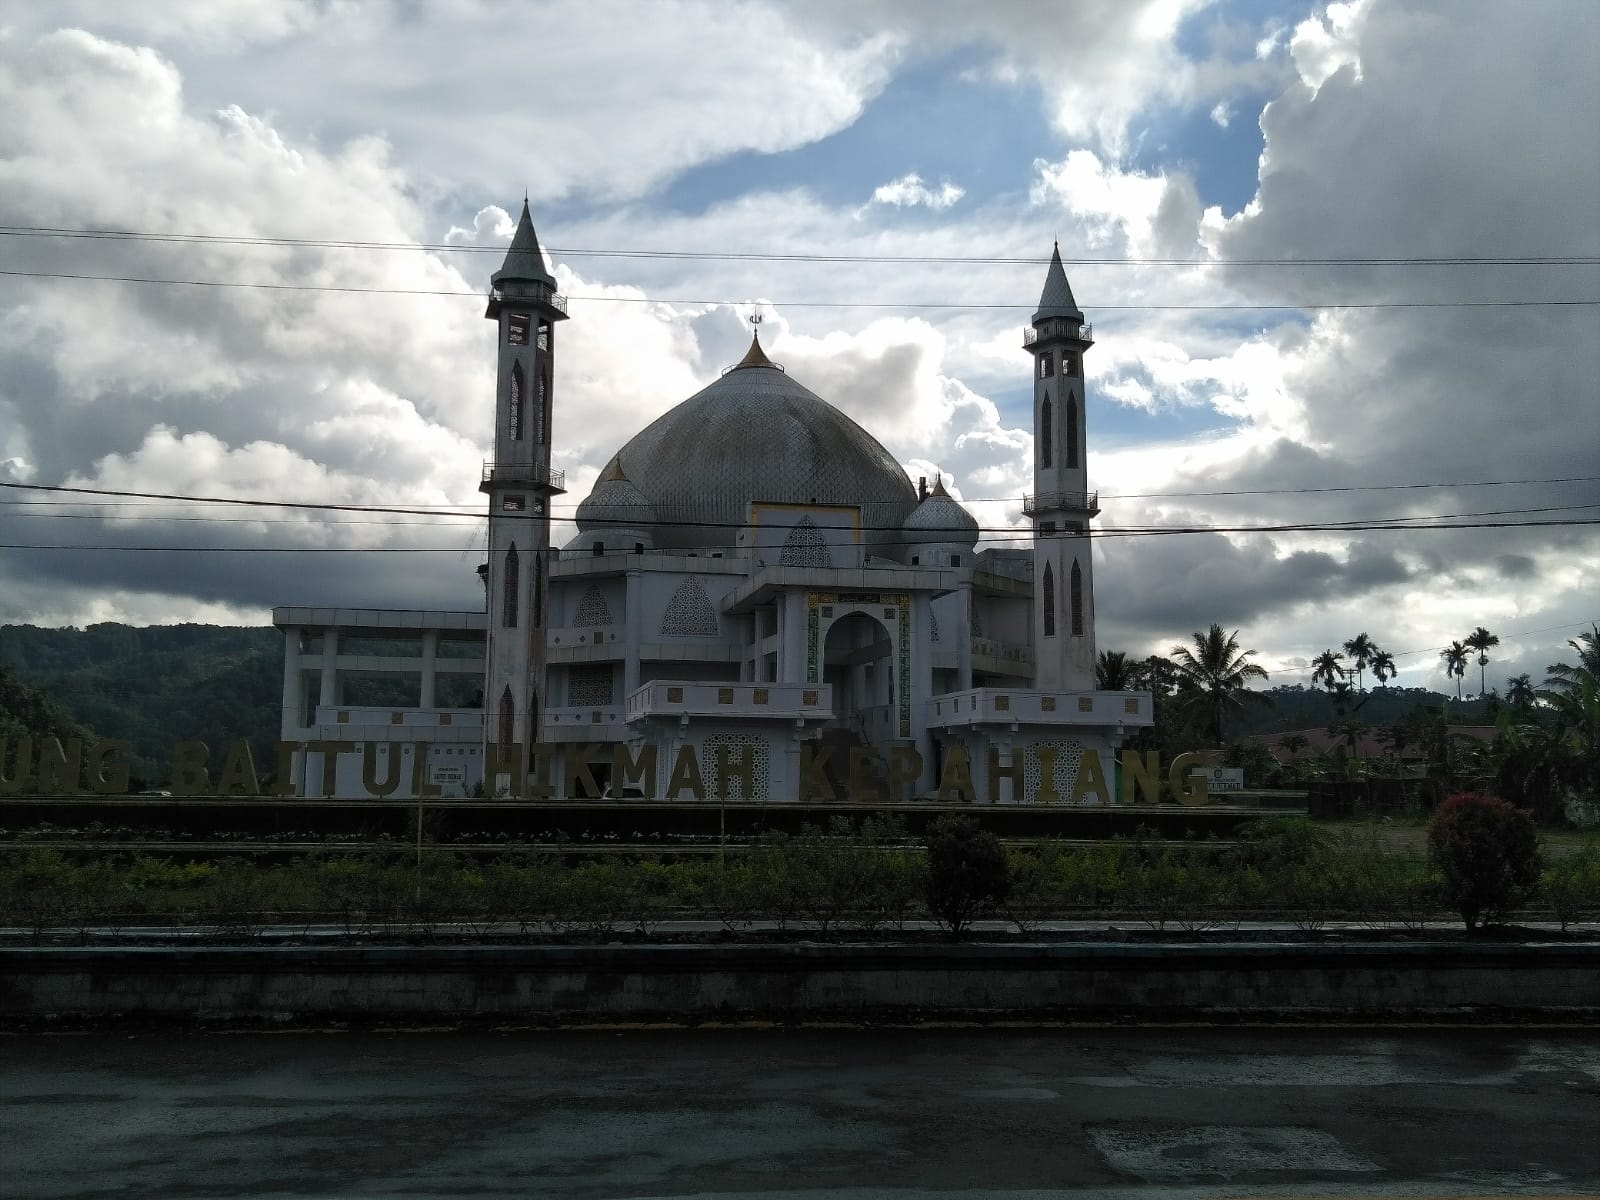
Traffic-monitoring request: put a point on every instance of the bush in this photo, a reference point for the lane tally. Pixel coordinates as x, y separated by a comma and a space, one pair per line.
1572, 886
967, 873
1487, 853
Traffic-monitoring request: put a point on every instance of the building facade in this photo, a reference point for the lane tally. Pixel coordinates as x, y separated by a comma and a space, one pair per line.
758, 606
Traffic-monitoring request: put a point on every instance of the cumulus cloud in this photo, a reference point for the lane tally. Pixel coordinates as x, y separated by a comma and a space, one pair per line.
909, 190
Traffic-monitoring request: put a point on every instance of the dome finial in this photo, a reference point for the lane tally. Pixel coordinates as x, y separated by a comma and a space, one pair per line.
938, 485
755, 356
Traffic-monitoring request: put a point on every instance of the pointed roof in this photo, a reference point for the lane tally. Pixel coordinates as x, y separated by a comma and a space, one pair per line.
755, 356
1056, 299
524, 260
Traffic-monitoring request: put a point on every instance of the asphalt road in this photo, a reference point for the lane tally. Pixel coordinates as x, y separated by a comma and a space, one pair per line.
789, 1114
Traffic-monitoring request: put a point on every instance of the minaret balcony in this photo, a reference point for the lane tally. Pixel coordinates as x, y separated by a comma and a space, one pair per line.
525, 474
1083, 333
1075, 502
537, 293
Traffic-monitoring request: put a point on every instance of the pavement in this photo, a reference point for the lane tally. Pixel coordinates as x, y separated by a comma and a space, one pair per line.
776, 1114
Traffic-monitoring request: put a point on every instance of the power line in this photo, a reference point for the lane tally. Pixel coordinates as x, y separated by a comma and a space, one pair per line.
1007, 533
480, 511
49, 231
964, 306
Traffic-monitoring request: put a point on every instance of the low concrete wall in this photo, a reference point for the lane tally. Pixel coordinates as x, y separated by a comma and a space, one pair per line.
573, 984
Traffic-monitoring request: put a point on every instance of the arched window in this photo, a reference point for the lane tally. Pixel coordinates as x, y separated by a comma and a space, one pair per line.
1046, 420
1075, 598
514, 407
509, 593
538, 590
542, 415
1047, 365
1072, 431
508, 722
1049, 601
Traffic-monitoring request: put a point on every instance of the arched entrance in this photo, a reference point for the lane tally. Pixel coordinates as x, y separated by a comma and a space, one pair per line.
858, 664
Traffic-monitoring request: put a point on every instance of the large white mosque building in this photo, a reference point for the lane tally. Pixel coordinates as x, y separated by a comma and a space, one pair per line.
759, 605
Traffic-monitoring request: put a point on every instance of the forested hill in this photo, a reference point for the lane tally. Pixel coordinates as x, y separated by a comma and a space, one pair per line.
1300, 707
157, 685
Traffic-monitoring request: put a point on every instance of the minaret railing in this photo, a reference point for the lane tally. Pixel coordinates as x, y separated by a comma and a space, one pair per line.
1055, 501
526, 473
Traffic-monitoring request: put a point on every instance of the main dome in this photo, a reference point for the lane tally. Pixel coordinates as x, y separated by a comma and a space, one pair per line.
756, 434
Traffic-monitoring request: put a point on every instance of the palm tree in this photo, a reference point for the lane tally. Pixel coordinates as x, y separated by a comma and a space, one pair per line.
1455, 663
1382, 664
1360, 649
1214, 676
1294, 743
1520, 695
1327, 667
1480, 639
1563, 677
1113, 672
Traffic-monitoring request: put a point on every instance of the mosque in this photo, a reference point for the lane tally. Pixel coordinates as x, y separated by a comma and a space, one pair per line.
759, 605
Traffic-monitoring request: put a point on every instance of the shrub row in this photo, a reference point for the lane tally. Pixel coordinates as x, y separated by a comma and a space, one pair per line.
851, 878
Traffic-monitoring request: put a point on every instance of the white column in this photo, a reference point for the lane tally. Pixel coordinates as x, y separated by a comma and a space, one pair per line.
964, 640
633, 601
294, 697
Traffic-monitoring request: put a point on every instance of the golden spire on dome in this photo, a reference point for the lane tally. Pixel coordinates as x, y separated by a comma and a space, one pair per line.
755, 356
938, 486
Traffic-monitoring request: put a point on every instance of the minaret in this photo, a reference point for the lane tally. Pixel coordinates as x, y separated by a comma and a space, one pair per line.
1061, 505
519, 484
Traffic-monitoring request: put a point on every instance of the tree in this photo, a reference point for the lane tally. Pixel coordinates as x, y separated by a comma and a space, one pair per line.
1480, 639
967, 872
1455, 663
1521, 695
1214, 676
1564, 677
1360, 649
1327, 667
1382, 664
1113, 672
1294, 743
1487, 852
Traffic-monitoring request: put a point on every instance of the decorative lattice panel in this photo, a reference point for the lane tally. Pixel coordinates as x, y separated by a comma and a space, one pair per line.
805, 546
689, 612
933, 625
740, 748
1065, 776
592, 609
589, 686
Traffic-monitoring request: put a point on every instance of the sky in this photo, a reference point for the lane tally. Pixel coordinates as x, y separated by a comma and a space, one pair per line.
1276, 215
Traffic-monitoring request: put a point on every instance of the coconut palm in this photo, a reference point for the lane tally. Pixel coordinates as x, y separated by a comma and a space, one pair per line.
1480, 639
1113, 672
1213, 676
1360, 649
1294, 743
1327, 667
1564, 677
1455, 663
1382, 664
1520, 694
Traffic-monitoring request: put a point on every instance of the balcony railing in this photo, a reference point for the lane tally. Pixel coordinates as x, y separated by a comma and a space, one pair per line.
1030, 335
528, 473
1088, 502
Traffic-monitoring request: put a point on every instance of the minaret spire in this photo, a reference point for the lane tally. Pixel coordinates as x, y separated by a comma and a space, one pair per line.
1056, 299
524, 259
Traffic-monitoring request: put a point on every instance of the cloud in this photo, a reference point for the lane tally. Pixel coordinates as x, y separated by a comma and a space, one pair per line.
909, 190
1221, 114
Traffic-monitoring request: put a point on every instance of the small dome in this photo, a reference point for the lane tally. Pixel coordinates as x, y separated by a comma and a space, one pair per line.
939, 519
615, 503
